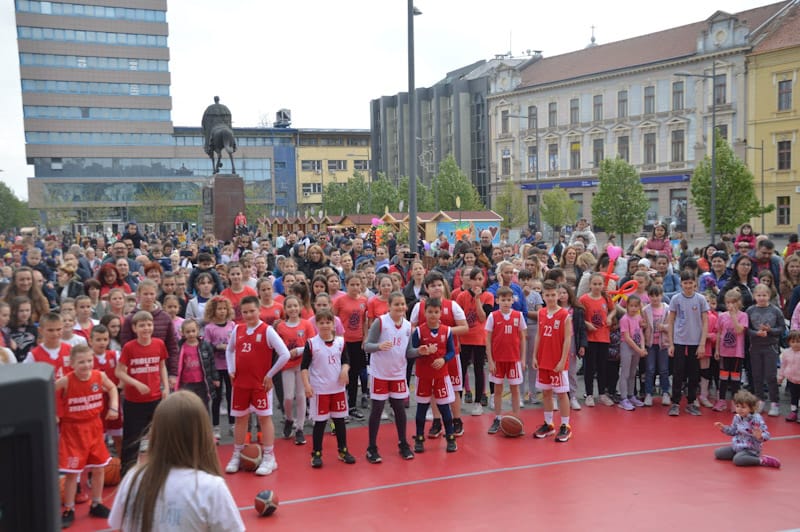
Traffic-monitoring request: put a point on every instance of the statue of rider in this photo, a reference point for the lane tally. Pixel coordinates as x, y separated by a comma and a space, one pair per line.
214, 115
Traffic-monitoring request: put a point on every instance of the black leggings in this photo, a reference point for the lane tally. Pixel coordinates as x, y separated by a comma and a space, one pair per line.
685, 367
475, 355
375, 420
224, 382
794, 392
135, 425
596, 361
358, 361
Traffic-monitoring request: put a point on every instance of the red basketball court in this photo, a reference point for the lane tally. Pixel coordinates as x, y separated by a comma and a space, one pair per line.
621, 471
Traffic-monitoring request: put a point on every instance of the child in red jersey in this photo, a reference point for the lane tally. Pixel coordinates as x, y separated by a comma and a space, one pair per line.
352, 310
505, 343
81, 444
83, 317
142, 370
237, 290
249, 355
551, 356
105, 360
53, 350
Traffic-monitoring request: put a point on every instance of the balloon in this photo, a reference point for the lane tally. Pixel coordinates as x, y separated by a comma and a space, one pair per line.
614, 252
626, 290
376, 222
609, 274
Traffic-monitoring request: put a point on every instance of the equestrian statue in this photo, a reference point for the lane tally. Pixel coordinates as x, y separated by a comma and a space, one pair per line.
218, 134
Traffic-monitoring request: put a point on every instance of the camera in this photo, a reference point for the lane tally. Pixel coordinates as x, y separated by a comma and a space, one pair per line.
409, 256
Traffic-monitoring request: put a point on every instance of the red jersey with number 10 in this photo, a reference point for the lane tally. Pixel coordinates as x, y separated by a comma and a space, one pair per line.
506, 336
253, 356
551, 338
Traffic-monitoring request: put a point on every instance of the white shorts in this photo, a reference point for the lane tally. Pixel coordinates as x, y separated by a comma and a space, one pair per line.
558, 382
382, 389
508, 370
323, 407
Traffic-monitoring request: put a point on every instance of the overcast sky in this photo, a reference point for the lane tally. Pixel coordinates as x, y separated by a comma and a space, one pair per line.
326, 60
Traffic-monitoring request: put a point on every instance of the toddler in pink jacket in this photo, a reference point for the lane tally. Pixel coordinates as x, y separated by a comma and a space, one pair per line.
790, 370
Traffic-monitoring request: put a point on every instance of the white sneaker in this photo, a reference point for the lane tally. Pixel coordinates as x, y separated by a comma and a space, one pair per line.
606, 400
574, 404
477, 410
705, 402
267, 466
429, 415
666, 400
774, 410
648, 400
217, 435
233, 464
491, 402
589, 401
696, 403
384, 416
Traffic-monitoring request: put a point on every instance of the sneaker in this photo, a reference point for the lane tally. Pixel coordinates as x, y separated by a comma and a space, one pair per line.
468, 396
288, 427
626, 404
495, 426
636, 402
233, 463
429, 415
372, 455
674, 410
356, 413
606, 400
384, 416
792, 416
299, 437
451, 444
759, 407
706, 403
316, 459
436, 429
770, 461
67, 518
346, 457
267, 465
99, 510
491, 402
217, 435
477, 410
648, 400
364, 401
589, 401
484, 401
774, 410
666, 400
720, 406
574, 404
694, 410
405, 451
542, 432
419, 444
458, 427
564, 433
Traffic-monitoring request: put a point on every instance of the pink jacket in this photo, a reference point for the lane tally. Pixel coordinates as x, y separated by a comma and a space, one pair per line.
790, 366
659, 245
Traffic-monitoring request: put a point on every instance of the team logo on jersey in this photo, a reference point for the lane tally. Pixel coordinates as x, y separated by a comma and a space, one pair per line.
301, 333
258, 337
445, 310
362, 306
556, 324
516, 322
95, 387
277, 313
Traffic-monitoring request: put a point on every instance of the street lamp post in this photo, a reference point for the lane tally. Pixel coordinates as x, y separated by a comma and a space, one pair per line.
761, 149
712, 77
412, 137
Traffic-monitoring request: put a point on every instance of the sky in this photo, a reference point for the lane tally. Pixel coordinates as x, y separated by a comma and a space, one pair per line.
326, 60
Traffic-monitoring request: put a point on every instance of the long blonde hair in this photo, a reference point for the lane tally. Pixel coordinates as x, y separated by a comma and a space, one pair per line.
180, 437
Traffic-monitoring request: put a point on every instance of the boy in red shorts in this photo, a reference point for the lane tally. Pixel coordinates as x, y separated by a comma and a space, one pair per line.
81, 444
105, 360
551, 356
249, 357
505, 343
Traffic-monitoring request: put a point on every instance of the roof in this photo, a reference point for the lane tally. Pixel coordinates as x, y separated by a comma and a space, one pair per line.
786, 35
670, 44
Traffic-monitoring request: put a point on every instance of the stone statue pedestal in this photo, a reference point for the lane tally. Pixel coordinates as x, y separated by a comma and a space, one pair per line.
223, 198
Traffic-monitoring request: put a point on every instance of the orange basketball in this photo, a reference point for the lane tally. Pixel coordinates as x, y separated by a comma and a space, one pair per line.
511, 426
250, 457
113, 472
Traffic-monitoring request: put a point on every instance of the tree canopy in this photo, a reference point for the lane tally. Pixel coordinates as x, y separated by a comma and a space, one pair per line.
558, 209
13, 211
510, 206
620, 205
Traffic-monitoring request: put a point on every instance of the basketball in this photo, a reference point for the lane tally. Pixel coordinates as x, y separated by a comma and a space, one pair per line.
112, 472
250, 457
266, 503
511, 426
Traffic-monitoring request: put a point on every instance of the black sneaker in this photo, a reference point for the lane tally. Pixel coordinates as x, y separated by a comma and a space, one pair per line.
372, 455
484, 401
419, 444
299, 438
98, 510
346, 457
364, 401
316, 459
405, 452
451, 444
468, 396
436, 428
458, 427
356, 413
288, 425
564, 433
495, 426
67, 518
544, 431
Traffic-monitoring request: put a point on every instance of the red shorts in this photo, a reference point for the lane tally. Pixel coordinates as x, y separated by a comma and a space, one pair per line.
325, 406
247, 400
506, 369
381, 389
441, 388
81, 445
454, 370
548, 379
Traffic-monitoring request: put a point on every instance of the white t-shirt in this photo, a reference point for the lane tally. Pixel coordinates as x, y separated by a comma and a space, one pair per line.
190, 500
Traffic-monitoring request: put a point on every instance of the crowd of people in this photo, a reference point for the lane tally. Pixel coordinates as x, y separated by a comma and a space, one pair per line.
331, 326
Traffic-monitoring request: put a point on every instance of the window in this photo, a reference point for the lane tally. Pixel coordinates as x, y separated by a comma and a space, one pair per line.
623, 148
577, 197
504, 122
649, 100
622, 104
720, 89
652, 207
312, 188
532, 211
597, 107
361, 165
784, 210
574, 155
722, 131
649, 148
533, 118
785, 95
784, 155
677, 146
311, 166
308, 141
574, 111
331, 141
598, 152
677, 96
506, 170
533, 159
677, 208
552, 157
334, 165
552, 114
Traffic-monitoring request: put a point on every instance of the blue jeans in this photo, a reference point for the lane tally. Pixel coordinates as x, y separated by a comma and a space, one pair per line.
657, 357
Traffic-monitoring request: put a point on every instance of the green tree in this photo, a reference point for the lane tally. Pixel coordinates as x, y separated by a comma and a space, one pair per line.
558, 209
620, 204
425, 199
382, 194
13, 211
451, 182
344, 197
509, 205
736, 198
154, 205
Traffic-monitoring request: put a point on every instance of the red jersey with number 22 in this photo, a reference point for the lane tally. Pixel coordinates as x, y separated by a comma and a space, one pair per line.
551, 338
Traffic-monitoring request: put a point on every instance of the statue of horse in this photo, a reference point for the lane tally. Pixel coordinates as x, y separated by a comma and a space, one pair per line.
221, 138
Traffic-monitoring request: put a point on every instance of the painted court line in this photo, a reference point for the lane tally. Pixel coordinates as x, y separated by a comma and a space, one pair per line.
509, 469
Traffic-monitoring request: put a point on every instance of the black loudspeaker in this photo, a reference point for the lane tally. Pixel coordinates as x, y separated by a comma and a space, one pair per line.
29, 493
